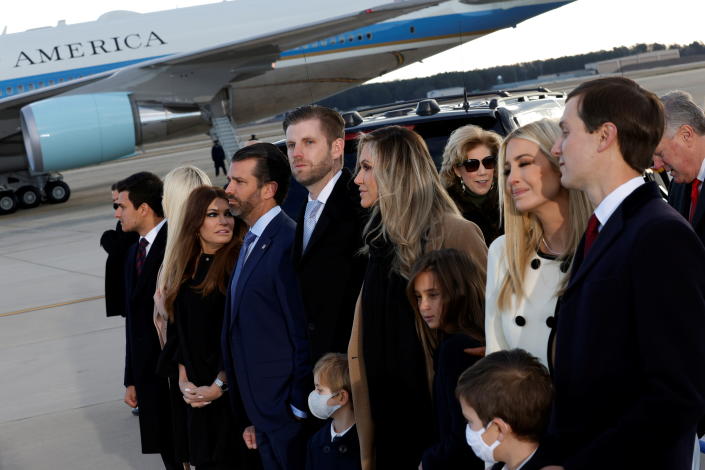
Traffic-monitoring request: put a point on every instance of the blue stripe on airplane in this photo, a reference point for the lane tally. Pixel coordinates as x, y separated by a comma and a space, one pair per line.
375, 35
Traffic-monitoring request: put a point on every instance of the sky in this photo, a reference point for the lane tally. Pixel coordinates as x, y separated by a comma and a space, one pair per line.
582, 26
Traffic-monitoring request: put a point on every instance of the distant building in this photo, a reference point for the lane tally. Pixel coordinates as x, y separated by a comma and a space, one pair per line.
615, 65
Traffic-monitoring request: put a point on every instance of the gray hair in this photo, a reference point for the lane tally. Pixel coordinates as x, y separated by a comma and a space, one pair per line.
681, 109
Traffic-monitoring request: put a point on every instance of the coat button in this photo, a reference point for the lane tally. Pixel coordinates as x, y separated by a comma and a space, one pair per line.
343, 449
326, 449
535, 263
519, 320
551, 322
311, 326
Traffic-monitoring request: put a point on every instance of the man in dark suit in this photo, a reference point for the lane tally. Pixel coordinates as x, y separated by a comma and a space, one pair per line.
624, 357
218, 157
139, 208
329, 227
682, 151
264, 343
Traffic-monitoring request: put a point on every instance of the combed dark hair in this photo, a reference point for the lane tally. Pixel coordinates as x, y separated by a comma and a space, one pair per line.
272, 166
187, 248
512, 385
463, 295
637, 113
332, 123
143, 188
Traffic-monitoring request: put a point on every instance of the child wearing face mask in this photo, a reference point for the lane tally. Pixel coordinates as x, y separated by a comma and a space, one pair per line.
506, 399
447, 292
335, 446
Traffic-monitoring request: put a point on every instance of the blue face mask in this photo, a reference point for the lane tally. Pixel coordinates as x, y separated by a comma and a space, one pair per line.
478, 446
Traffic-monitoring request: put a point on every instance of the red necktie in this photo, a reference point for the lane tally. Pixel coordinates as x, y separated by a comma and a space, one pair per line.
141, 255
694, 193
591, 234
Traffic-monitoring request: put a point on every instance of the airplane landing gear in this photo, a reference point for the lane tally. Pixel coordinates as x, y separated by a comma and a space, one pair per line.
57, 192
8, 202
28, 197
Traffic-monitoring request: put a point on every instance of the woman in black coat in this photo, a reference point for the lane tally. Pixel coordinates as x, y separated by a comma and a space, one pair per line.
447, 292
469, 174
206, 247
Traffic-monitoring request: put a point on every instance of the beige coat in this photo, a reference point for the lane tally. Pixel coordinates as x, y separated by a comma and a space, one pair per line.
460, 234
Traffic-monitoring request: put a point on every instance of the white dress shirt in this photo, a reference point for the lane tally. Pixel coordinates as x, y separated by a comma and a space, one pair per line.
151, 236
325, 194
334, 434
610, 204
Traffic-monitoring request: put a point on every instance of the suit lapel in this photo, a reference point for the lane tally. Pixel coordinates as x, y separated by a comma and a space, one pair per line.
611, 231
699, 207
258, 251
331, 210
153, 261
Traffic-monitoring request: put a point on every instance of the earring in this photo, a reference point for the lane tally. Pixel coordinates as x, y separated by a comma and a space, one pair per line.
462, 183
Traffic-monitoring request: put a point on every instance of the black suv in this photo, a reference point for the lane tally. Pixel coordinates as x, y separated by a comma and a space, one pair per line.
435, 119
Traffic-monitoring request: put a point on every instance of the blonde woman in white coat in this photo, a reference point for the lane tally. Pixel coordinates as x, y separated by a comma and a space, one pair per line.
543, 223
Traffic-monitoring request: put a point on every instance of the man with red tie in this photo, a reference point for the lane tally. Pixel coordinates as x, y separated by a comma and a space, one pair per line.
139, 209
682, 151
625, 357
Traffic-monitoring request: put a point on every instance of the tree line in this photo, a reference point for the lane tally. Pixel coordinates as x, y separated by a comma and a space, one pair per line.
473, 80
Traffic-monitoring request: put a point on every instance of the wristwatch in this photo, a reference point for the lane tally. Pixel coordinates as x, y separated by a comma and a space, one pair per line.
222, 385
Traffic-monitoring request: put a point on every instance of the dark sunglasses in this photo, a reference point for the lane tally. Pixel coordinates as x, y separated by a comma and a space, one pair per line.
115, 206
473, 164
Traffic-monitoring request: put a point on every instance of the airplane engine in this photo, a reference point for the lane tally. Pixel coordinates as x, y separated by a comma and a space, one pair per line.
80, 130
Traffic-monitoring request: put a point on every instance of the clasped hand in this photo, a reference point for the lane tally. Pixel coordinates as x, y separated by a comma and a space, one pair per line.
198, 397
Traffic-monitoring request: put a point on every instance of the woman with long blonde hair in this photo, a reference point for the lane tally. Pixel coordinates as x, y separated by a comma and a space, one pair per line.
178, 184
411, 214
543, 223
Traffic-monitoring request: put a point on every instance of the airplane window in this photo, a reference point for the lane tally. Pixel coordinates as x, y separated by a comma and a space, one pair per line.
20, 88
369, 35
51, 82
351, 38
341, 40
359, 37
9, 90
412, 30
30, 86
40, 84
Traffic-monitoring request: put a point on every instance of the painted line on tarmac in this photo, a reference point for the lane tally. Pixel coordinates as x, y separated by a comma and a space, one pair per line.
46, 307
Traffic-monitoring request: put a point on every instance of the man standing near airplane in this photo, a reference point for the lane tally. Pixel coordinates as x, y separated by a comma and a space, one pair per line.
139, 208
265, 349
329, 227
682, 151
622, 355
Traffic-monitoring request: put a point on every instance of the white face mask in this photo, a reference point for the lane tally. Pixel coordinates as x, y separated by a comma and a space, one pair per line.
319, 404
478, 446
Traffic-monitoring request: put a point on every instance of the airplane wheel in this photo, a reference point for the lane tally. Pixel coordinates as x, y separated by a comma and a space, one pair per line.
28, 197
8, 202
57, 191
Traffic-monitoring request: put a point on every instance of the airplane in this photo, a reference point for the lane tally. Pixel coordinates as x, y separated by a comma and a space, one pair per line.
82, 94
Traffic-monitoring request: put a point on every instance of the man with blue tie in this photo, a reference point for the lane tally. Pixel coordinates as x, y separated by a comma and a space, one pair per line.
625, 356
265, 349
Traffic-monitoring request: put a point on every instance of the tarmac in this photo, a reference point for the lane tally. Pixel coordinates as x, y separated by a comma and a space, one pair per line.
61, 359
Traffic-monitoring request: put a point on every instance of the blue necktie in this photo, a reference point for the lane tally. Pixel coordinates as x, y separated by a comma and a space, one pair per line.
249, 238
310, 221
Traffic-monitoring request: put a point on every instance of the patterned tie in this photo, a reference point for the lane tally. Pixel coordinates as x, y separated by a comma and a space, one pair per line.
249, 238
694, 193
141, 255
591, 234
310, 220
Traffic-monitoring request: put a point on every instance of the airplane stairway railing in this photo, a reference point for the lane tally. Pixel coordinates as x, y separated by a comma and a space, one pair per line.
224, 131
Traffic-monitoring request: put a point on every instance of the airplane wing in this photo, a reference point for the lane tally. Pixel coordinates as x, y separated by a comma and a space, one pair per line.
198, 75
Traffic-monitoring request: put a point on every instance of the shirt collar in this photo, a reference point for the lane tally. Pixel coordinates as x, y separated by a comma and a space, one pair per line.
152, 234
327, 189
701, 174
334, 434
610, 204
262, 222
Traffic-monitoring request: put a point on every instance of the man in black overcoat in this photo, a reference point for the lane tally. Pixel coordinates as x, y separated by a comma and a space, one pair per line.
116, 243
625, 356
139, 209
682, 151
329, 227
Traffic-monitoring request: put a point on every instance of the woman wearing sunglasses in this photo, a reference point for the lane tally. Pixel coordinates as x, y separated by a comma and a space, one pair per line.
543, 223
468, 173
